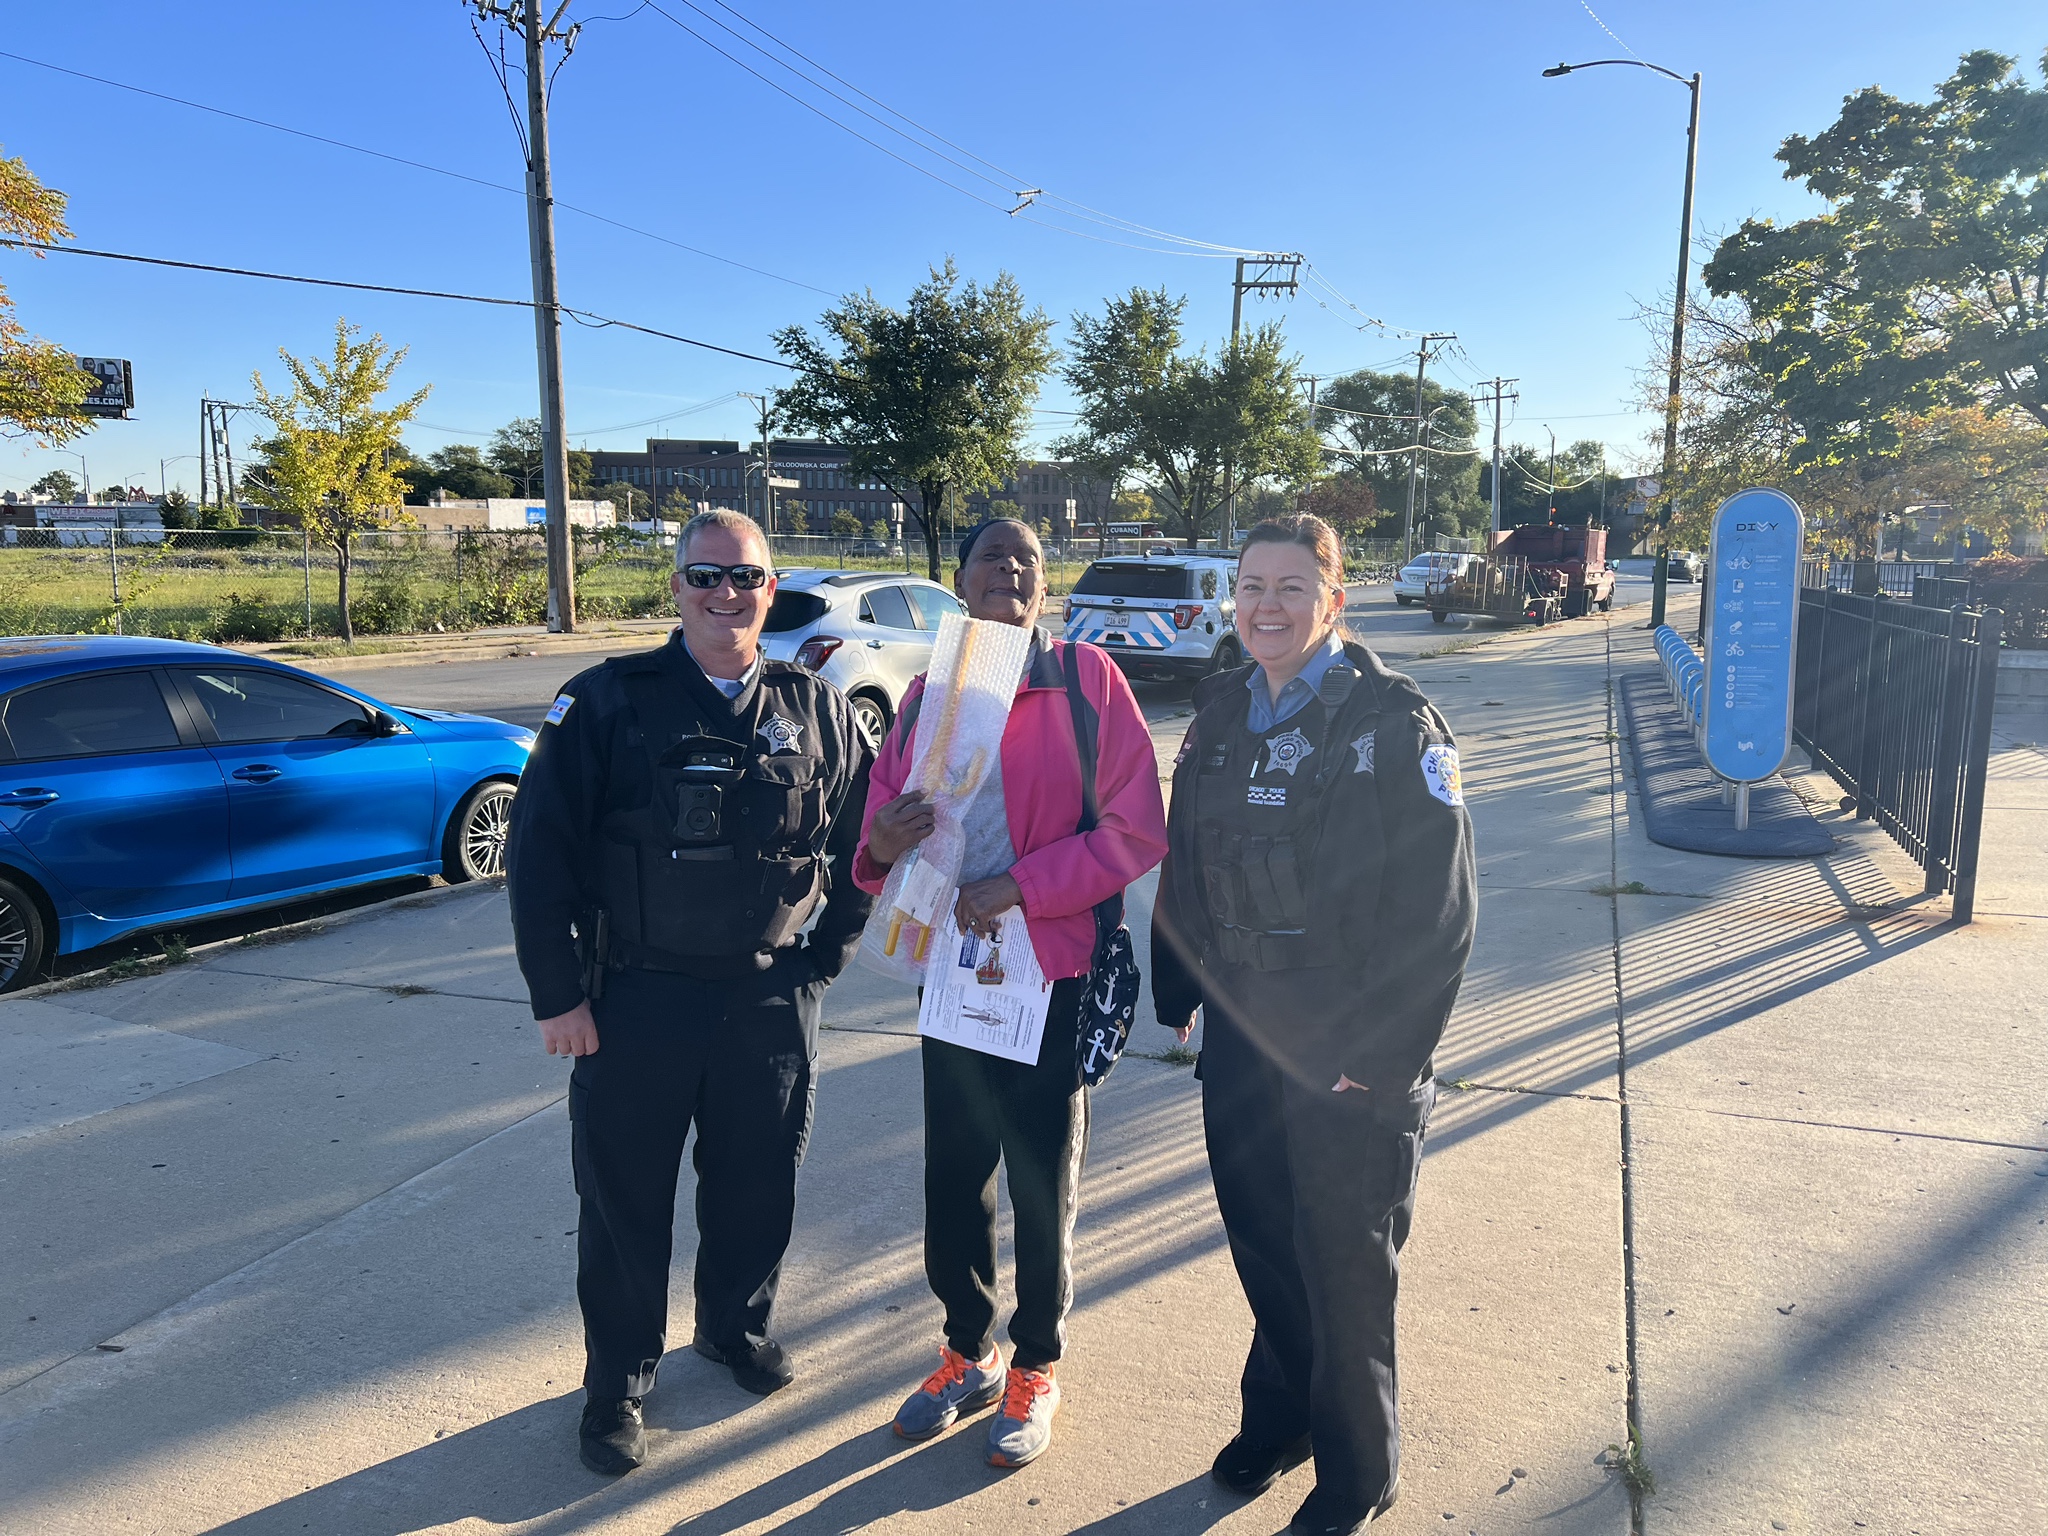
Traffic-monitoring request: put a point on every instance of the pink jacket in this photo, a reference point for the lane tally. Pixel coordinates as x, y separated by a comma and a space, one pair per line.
1062, 874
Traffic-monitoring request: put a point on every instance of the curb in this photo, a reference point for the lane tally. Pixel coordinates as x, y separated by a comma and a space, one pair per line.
284, 933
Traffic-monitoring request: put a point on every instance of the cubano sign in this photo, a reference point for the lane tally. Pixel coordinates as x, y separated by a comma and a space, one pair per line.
1752, 634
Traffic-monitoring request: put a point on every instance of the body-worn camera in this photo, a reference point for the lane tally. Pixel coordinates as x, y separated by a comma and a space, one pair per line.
701, 770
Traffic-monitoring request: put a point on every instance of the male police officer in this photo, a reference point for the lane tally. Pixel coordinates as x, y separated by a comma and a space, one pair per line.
670, 840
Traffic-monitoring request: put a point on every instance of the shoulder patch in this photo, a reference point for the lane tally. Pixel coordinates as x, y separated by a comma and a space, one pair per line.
1440, 773
560, 708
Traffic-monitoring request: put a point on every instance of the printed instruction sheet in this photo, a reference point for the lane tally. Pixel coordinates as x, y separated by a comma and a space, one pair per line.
964, 1005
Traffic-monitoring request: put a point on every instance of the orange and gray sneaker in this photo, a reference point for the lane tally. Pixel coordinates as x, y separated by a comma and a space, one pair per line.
958, 1386
1022, 1429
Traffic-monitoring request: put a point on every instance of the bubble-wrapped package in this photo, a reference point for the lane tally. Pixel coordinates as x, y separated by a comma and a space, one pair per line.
975, 669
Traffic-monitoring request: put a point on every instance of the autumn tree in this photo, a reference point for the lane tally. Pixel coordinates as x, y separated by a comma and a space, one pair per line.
328, 463
42, 388
936, 395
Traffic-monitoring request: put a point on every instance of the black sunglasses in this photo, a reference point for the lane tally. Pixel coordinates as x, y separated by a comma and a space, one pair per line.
745, 578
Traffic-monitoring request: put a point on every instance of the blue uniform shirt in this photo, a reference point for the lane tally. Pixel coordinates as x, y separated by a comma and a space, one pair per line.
1264, 714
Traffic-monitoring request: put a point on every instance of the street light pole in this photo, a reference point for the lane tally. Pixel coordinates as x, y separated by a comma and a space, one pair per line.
1692, 141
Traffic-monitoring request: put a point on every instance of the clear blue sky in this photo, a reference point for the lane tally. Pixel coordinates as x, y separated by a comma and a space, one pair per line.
1413, 152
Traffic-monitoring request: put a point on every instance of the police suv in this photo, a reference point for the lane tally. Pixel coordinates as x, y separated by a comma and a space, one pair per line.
1161, 617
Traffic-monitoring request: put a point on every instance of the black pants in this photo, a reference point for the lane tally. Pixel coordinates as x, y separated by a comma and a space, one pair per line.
979, 1110
1317, 1190
736, 1060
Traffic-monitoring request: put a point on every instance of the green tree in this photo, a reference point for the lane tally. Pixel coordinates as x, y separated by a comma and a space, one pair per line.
42, 388
328, 463
458, 470
57, 485
1924, 284
1530, 494
175, 508
1368, 418
846, 524
1187, 423
1007, 510
515, 454
936, 395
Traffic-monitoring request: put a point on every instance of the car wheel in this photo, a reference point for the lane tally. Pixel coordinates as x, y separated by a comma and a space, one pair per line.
1228, 658
1441, 615
1402, 601
474, 848
24, 939
871, 715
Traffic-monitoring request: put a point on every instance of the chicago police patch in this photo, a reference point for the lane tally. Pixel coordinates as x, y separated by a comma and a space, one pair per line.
1288, 751
1440, 773
1363, 747
1266, 794
780, 735
559, 708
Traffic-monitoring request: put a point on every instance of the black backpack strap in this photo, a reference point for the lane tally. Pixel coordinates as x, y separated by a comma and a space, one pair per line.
1109, 914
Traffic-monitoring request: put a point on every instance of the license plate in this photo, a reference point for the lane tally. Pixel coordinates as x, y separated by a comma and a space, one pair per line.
1118, 621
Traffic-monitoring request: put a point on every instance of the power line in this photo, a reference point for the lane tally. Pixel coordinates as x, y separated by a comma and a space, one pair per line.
417, 165
582, 317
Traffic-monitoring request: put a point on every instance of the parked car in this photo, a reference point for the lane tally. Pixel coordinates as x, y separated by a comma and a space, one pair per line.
1159, 617
868, 633
1411, 584
150, 782
1683, 565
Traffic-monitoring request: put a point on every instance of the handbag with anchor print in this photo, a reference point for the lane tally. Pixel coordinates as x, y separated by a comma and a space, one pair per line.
1111, 1002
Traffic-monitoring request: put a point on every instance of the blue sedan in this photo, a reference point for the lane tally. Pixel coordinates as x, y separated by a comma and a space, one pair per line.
151, 782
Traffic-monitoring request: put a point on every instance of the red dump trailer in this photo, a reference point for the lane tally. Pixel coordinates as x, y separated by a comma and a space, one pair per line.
1535, 573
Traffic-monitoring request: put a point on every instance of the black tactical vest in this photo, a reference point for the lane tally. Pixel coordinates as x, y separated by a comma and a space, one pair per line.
721, 855
1261, 824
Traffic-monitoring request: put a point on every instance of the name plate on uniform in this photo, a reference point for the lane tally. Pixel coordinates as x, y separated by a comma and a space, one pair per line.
964, 1005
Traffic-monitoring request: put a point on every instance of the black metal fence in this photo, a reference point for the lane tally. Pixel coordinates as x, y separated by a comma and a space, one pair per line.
1897, 578
1894, 700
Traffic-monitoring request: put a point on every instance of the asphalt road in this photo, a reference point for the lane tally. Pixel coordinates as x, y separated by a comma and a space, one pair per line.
520, 688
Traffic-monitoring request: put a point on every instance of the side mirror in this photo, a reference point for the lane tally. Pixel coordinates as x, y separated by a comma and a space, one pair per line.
385, 724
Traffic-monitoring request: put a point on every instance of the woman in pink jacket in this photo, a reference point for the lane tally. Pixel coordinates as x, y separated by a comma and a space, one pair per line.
1024, 850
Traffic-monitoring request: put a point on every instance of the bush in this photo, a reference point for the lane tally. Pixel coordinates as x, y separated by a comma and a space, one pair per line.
245, 618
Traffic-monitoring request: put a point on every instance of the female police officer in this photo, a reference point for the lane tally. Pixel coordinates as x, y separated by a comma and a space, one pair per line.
1317, 902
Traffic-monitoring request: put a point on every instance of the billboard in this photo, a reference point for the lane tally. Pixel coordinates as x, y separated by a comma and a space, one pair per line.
112, 392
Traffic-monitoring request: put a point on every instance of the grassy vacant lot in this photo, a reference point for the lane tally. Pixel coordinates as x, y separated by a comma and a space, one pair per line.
253, 585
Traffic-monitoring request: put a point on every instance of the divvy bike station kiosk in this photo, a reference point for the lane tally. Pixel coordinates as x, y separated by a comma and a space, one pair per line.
1752, 635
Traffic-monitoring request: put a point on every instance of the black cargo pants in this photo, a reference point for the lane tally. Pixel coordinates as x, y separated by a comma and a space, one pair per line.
736, 1060
1032, 1118
1316, 1190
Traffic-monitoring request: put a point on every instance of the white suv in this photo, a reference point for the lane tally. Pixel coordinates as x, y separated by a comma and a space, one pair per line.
1162, 617
868, 633
1412, 585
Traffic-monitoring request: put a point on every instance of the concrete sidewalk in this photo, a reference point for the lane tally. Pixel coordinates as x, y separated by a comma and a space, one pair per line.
291, 1227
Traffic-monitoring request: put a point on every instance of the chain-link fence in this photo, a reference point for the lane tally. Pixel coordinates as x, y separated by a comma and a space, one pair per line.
243, 584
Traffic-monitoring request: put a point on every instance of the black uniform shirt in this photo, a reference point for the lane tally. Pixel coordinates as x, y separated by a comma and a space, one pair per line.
1391, 887
590, 761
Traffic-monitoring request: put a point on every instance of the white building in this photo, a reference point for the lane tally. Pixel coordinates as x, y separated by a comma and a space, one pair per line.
504, 514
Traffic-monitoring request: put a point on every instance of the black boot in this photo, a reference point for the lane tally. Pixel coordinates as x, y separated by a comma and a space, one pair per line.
613, 1437
1322, 1515
760, 1368
1250, 1469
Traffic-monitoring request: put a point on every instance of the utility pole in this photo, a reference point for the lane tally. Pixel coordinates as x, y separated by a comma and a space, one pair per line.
761, 404
1313, 381
1415, 457
523, 17
1276, 272
1500, 390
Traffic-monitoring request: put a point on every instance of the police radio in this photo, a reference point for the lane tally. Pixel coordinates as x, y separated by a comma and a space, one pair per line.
702, 769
